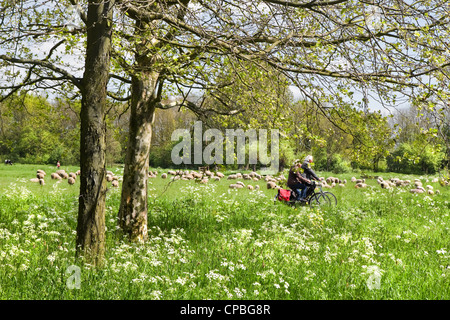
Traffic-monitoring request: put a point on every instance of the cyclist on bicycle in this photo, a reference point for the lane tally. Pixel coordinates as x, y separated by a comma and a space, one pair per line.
308, 172
297, 182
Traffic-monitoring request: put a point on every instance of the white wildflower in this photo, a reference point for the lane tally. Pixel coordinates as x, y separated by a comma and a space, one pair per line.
51, 257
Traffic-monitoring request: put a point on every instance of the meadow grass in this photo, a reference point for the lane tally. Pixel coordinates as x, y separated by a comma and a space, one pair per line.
211, 242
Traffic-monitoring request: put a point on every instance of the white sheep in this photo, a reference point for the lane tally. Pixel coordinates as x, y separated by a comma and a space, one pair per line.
41, 171
197, 175
164, 176
71, 180
41, 182
385, 185
419, 189
209, 173
360, 185
62, 174
271, 185
115, 183
220, 174
235, 186
55, 176
399, 183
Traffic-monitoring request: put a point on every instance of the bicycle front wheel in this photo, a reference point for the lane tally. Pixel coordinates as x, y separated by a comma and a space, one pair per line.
331, 197
320, 200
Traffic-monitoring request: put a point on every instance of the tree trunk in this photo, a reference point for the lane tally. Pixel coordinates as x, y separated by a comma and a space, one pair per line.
133, 203
91, 210
376, 160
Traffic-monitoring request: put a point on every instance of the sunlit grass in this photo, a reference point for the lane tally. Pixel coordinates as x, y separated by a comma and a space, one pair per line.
211, 242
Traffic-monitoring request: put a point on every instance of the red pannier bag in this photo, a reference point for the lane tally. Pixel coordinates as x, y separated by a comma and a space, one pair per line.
284, 195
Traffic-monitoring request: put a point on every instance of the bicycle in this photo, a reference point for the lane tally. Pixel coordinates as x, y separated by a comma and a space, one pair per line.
313, 198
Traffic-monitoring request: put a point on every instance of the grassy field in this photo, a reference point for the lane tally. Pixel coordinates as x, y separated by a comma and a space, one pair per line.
211, 242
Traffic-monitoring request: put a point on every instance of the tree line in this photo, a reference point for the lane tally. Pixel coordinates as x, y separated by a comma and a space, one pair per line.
36, 130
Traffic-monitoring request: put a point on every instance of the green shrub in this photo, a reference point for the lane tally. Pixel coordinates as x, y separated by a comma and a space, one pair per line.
339, 165
336, 163
415, 159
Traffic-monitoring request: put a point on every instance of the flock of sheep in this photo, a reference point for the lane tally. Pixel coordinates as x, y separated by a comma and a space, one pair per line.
58, 175
275, 182
204, 177
384, 184
71, 177
416, 184
272, 182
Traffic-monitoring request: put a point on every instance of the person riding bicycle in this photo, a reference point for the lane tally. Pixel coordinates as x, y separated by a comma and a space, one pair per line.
297, 182
308, 172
